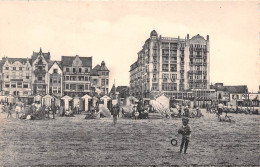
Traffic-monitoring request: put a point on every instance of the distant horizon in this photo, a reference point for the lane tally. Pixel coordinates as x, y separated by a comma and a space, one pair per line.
115, 32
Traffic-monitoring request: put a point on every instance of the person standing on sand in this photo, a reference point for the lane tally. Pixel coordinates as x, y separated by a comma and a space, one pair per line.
9, 111
185, 130
114, 113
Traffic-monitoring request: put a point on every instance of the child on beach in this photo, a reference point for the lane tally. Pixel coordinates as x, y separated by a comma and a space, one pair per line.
185, 130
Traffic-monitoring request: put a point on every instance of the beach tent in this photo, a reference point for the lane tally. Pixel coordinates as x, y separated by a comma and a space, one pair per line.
161, 108
164, 100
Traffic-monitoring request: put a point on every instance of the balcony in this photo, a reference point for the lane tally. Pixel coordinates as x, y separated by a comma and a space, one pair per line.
42, 82
75, 73
198, 63
173, 61
165, 61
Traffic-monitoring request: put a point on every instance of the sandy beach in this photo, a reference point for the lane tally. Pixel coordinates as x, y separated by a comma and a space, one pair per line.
76, 141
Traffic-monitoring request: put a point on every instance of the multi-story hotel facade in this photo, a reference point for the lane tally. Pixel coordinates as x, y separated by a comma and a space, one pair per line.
76, 75
17, 78
170, 65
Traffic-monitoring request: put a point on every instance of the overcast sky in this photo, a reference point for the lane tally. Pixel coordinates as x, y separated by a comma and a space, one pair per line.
115, 32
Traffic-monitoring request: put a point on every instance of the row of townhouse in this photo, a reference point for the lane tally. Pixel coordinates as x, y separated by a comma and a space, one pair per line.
25, 78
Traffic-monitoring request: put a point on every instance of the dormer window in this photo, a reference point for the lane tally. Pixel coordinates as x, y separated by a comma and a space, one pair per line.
6, 68
55, 71
20, 68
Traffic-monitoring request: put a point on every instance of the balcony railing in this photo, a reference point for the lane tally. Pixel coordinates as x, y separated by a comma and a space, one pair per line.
73, 73
173, 61
36, 81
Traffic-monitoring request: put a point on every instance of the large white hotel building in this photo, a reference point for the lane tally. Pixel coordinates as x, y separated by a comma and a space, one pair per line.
171, 66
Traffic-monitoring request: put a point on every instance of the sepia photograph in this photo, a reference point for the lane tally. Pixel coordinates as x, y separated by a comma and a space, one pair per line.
129, 83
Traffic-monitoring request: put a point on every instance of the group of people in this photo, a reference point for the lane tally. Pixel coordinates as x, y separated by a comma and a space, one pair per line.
10, 107
185, 111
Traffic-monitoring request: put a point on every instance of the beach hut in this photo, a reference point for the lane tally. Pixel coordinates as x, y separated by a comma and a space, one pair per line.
86, 98
105, 99
10, 99
38, 99
47, 100
66, 100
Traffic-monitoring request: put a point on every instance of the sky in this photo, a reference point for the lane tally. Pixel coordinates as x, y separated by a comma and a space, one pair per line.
116, 31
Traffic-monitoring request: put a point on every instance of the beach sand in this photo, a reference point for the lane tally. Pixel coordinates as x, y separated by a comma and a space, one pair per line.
77, 141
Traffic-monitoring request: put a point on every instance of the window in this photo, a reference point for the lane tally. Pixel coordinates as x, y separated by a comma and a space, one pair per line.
20, 68
27, 68
67, 78
14, 68
86, 78
169, 86
50, 90
67, 86
7, 76
55, 71
86, 69
25, 93
13, 85
25, 85
19, 84
55, 80
67, 70
40, 78
102, 82
7, 92
73, 86
59, 90
51, 80
80, 87
81, 78
27, 76
80, 70
165, 67
74, 70
106, 81
173, 68
6, 68
7, 85
86, 86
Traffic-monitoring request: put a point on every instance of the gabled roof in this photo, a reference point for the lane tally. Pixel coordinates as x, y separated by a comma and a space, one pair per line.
94, 71
67, 61
51, 63
237, 89
12, 60
102, 67
46, 56
121, 88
